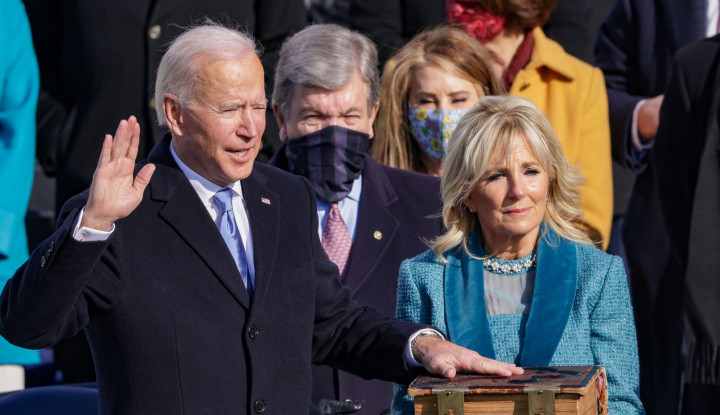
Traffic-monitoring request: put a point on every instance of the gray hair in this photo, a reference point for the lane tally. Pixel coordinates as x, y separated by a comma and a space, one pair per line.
486, 132
325, 56
189, 53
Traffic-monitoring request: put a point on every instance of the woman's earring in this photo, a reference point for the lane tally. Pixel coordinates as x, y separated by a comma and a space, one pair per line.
465, 202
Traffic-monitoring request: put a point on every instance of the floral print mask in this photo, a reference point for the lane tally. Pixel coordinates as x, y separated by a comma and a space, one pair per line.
432, 128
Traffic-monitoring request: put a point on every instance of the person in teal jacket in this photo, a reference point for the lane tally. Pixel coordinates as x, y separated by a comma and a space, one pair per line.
19, 86
512, 278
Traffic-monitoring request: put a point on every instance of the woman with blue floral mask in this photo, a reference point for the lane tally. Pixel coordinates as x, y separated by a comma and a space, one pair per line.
427, 86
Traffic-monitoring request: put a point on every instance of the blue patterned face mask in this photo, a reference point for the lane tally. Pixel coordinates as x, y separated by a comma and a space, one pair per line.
432, 129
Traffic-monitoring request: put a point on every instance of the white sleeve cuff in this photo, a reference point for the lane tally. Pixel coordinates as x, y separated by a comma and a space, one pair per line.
84, 234
409, 358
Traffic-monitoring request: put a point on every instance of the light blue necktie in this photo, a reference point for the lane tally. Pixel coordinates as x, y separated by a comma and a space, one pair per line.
229, 231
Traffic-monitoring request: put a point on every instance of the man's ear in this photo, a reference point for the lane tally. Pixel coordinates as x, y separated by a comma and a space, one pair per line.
280, 118
373, 114
173, 114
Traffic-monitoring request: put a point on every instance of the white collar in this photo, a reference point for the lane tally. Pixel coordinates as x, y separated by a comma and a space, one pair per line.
204, 187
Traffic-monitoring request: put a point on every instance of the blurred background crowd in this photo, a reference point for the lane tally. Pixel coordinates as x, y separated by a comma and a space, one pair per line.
630, 88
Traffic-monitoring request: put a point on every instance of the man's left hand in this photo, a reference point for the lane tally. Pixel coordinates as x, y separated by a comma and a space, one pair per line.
441, 357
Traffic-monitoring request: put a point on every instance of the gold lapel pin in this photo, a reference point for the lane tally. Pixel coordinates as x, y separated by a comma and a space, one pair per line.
377, 235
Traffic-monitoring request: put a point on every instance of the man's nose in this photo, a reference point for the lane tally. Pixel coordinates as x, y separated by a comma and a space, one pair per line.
248, 124
330, 121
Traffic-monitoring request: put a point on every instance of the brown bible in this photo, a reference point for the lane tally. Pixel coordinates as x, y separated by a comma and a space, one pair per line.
559, 390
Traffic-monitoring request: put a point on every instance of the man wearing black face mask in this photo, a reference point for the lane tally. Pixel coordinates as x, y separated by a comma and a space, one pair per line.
372, 217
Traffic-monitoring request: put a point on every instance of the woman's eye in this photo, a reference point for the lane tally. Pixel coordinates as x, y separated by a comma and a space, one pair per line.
532, 172
459, 100
494, 176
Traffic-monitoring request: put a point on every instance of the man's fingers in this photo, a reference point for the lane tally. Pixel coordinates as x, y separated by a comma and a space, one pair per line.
515, 370
485, 365
134, 141
441, 367
143, 177
117, 140
106, 150
124, 140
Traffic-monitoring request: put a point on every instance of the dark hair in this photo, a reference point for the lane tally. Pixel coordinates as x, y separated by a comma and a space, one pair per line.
521, 14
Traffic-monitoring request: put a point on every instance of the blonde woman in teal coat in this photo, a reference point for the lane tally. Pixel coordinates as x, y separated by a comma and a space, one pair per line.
512, 278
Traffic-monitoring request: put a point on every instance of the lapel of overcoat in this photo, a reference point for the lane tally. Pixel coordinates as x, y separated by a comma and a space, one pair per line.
553, 298
184, 211
262, 207
376, 225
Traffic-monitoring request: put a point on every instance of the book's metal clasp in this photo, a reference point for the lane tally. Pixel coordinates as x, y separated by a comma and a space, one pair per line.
541, 399
451, 401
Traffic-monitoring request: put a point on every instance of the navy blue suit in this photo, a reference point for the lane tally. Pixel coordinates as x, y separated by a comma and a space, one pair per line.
402, 206
634, 49
170, 324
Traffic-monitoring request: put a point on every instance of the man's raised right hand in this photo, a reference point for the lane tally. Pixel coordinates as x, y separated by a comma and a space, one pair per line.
114, 192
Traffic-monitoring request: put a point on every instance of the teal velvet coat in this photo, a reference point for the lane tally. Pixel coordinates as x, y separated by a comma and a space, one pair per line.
580, 313
19, 86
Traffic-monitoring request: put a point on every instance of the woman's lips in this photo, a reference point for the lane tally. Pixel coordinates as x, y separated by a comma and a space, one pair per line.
519, 211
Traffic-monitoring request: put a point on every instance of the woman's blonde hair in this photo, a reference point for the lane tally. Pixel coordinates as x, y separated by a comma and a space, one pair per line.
485, 132
446, 47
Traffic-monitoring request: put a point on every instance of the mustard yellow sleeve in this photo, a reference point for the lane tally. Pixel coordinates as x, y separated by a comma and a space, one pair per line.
594, 160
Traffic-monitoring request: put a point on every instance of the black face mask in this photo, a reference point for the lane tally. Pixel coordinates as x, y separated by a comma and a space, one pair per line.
331, 159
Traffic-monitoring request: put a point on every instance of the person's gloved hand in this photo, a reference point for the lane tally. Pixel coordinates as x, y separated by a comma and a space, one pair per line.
332, 407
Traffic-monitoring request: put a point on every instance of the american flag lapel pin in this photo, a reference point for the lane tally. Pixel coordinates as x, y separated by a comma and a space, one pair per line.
265, 200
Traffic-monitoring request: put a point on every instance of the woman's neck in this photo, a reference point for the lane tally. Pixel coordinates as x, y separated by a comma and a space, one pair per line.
503, 47
510, 247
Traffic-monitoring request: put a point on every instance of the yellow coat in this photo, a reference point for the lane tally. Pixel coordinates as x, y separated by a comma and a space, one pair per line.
572, 95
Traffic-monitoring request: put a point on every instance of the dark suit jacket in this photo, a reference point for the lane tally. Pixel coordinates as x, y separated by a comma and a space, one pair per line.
634, 49
170, 324
686, 162
392, 23
98, 61
403, 207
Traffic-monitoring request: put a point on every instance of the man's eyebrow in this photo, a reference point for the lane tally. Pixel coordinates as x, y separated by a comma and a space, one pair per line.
352, 109
237, 104
309, 108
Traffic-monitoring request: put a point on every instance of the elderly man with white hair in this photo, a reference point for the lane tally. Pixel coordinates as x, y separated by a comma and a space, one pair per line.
198, 275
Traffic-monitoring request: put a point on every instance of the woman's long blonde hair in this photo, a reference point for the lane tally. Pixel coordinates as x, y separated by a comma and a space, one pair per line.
446, 47
483, 133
